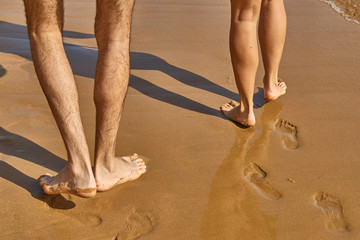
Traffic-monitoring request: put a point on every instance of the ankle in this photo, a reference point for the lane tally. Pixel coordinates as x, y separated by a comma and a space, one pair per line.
104, 163
270, 80
246, 106
249, 110
82, 171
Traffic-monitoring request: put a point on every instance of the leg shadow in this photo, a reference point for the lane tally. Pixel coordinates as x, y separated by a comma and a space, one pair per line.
146, 61
12, 30
258, 97
2, 71
15, 145
151, 90
32, 186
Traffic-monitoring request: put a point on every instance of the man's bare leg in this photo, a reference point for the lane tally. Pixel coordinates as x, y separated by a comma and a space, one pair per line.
112, 30
45, 21
245, 59
272, 31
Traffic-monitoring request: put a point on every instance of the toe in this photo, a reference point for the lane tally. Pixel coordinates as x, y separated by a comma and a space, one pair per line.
138, 160
141, 170
45, 179
233, 103
140, 163
141, 166
133, 157
226, 107
282, 85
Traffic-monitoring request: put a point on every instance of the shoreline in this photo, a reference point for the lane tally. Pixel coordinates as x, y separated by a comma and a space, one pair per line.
348, 10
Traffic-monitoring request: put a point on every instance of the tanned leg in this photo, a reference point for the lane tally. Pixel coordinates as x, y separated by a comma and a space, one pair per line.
245, 59
272, 31
112, 30
45, 21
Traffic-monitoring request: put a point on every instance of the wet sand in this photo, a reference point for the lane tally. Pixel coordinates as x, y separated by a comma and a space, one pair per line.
348, 9
293, 176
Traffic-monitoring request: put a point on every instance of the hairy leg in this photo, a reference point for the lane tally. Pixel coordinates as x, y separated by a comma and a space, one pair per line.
244, 57
112, 30
272, 31
45, 21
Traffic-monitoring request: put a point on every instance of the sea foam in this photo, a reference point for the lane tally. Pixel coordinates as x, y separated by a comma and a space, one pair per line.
349, 9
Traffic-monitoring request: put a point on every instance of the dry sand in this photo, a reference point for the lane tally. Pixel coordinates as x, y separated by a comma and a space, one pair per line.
207, 178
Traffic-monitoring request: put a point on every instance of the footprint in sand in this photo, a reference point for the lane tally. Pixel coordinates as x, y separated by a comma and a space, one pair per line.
139, 223
289, 133
331, 206
255, 175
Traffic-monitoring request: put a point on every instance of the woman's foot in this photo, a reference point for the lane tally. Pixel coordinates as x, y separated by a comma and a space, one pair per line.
124, 169
232, 110
71, 180
273, 89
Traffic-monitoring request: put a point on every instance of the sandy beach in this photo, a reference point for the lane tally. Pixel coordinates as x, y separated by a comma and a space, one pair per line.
295, 175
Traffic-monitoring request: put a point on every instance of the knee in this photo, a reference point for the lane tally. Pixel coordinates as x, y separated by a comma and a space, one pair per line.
40, 34
271, 1
43, 29
115, 45
113, 20
267, 3
44, 17
113, 36
246, 10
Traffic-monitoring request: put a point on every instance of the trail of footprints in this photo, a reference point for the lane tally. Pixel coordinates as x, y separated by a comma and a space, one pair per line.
329, 204
256, 176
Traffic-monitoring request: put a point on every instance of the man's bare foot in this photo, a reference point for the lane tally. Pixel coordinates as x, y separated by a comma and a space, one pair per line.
125, 169
80, 183
274, 90
232, 111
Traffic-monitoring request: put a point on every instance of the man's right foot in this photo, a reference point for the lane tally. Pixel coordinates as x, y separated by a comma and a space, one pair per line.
125, 169
232, 111
81, 183
274, 90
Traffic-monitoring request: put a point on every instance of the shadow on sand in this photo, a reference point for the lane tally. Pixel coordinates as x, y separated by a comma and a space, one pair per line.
2, 71
15, 145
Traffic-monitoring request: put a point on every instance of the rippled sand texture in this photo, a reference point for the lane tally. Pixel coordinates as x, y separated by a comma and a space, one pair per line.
350, 9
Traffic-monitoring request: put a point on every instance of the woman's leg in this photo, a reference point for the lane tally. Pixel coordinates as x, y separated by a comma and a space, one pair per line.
272, 31
244, 57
